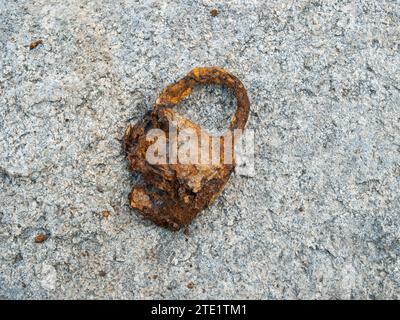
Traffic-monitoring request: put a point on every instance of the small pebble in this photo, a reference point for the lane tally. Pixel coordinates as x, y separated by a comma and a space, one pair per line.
34, 44
41, 238
106, 214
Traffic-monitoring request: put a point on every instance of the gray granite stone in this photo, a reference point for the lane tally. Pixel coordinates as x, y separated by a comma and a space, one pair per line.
320, 218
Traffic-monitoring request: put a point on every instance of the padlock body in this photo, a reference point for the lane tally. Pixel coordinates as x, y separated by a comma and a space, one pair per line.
172, 192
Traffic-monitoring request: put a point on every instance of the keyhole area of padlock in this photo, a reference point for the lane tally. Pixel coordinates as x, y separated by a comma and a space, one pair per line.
211, 107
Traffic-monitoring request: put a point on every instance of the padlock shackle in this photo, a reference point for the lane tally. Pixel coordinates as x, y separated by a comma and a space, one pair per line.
174, 93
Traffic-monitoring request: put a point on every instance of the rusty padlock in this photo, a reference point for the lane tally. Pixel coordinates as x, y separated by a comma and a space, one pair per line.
172, 193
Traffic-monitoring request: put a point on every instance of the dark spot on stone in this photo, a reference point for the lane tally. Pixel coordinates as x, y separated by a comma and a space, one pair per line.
18, 258
186, 232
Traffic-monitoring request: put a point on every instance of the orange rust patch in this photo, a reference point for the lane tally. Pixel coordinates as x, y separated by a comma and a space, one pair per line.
41, 238
139, 199
34, 44
214, 12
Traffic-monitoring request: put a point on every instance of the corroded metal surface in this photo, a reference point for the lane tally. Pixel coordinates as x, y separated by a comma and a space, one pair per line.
172, 194
34, 44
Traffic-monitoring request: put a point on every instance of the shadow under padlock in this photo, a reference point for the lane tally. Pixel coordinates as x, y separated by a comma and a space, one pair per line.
174, 191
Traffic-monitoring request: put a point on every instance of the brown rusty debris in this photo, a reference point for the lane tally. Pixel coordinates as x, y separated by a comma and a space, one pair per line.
214, 12
190, 285
34, 44
106, 214
41, 237
172, 195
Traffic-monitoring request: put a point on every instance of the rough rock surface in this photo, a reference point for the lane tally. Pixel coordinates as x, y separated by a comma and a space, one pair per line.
320, 219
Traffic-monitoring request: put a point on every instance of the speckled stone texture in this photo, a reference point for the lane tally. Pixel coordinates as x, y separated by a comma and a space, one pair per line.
320, 218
